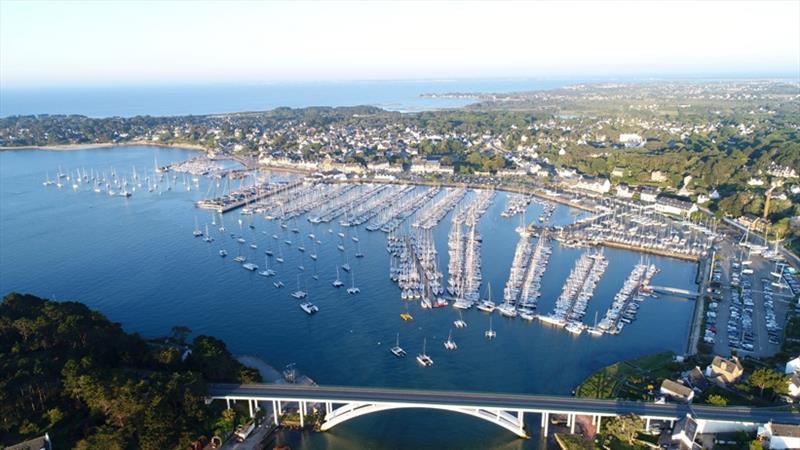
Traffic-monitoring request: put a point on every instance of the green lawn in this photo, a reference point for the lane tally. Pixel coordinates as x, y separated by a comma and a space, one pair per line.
629, 379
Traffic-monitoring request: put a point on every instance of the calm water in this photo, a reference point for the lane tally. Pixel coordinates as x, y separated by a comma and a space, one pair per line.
207, 99
136, 261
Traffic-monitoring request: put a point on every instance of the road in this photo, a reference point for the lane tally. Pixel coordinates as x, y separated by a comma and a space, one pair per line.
524, 402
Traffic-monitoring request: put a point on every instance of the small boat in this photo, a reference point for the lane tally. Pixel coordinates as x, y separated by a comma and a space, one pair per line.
397, 350
406, 316
450, 344
254, 246
309, 308
490, 333
250, 266
240, 259
423, 359
223, 253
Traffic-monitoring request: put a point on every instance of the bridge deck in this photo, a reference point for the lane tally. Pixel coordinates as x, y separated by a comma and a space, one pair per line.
519, 402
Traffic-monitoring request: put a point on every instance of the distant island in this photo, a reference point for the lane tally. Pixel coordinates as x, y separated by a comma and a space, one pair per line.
68, 371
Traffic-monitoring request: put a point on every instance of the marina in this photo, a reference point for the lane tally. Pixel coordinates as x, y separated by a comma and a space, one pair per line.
249, 309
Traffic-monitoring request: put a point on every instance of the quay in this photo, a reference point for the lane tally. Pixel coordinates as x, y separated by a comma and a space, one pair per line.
237, 200
650, 250
675, 291
506, 410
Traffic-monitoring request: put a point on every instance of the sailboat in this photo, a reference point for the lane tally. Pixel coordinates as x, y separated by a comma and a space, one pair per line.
279, 258
337, 283
299, 293
460, 322
487, 305
196, 232
450, 344
353, 290
48, 181
490, 333
423, 359
397, 350
267, 272
208, 237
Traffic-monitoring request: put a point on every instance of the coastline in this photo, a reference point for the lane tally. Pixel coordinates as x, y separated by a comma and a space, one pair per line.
72, 147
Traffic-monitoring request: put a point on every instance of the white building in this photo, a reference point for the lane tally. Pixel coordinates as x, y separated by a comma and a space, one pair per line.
755, 182
624, 191
631, 140
430, 166
674, 206
598, 185
658, 176
648, 195
780, 436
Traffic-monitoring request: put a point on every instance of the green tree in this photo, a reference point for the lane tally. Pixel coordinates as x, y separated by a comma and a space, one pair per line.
717, 400
625, 428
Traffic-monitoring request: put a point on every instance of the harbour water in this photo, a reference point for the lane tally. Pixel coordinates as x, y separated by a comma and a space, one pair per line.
135, 260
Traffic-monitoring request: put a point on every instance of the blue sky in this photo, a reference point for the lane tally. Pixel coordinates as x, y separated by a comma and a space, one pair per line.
68, 43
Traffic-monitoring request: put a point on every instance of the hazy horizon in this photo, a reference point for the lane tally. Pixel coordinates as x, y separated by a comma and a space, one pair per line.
79, 44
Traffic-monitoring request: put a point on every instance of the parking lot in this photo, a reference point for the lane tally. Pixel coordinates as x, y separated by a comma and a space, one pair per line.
749, 304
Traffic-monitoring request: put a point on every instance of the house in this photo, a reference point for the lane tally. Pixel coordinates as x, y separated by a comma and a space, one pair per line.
702, 199
794, 385
624, 191
780, 436
598, 185
724, 370
684, 434
674, 206
696, 379
430, 166
755, 182
648, 194
676, 390
631, 140
792, 366
39, 443
753, 222
618, 172
714, 195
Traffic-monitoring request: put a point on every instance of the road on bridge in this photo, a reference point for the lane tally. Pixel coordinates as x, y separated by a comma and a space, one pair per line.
519, 402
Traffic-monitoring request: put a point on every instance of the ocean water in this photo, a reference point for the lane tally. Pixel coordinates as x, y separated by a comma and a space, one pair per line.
208, 99
135, 260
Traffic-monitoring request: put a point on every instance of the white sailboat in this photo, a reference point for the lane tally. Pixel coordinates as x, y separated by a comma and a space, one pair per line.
490, 333
450, 344
397, 350
423, 359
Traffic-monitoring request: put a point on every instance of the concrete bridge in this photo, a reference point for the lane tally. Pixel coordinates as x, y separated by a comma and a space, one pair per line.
505, 410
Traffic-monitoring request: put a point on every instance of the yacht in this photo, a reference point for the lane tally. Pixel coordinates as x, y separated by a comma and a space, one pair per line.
309, 308
397, 350
423, 359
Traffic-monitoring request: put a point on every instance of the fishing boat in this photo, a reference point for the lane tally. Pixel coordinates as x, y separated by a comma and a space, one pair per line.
490, 333
423, 359
397, 350
450, 344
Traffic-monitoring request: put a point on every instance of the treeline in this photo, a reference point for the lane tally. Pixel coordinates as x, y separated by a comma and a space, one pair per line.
69, 371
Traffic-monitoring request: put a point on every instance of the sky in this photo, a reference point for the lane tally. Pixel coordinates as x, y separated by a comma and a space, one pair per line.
73, 43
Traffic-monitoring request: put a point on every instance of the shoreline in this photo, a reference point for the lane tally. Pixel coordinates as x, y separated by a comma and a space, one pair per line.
72, 147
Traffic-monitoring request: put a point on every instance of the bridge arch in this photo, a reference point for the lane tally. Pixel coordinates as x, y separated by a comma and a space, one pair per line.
348, 411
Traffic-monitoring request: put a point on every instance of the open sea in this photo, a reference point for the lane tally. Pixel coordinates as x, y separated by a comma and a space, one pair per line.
222, 98
136, 261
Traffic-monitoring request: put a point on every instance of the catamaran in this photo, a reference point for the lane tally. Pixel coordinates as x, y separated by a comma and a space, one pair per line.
299, 293
450, 344
353, 290
397, 350
423, 359
490, 333
196, 232
460, 322
309, 308
267, 272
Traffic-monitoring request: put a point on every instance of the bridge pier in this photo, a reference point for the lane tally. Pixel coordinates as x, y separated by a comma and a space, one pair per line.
228, 403
275, 412
647, 424
572, 424
598, 423
302, 411
545, 422
250, 405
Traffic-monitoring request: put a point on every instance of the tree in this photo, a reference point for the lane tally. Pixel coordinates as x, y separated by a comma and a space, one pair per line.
765, 378
625, 428
717, 400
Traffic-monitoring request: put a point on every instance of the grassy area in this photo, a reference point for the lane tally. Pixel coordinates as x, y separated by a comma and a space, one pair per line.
631, 379
574, 442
